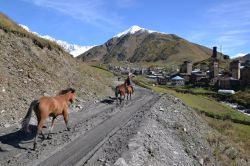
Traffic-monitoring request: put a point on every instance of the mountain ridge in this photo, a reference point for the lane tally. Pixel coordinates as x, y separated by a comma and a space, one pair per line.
141, 45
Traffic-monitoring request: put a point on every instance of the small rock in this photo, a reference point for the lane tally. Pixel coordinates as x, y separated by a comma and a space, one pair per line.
101, 160
46, 94
3, 89
120, 162
201, 161
133, 145
79, 106
2, 111
161, 109
176, 153
18, 155
232, 153
184, 129
7, 125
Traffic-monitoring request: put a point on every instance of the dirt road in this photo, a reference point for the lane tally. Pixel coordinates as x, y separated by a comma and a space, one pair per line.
91, 127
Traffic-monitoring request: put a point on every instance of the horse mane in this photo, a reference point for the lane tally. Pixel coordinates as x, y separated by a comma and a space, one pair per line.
62, 92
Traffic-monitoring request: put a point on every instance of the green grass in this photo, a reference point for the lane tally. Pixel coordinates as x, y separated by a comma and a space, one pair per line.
212, 108
102, 71
242, 97
206, 105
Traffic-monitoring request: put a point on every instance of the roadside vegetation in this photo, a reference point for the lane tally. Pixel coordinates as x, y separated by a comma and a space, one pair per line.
9, 26
233, 127
242, 97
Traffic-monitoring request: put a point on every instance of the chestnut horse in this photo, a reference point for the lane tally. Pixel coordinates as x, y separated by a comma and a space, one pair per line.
49, 106
120, 90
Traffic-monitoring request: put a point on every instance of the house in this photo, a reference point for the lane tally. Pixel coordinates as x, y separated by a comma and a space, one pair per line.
199, 78
228, 83
245, 76
162, 80
178, 81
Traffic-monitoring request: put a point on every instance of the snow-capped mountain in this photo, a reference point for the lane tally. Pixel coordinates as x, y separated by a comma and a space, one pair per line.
73, 49
132, 30
140, 45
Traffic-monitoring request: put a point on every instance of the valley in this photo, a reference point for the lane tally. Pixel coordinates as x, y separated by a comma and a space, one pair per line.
169, 121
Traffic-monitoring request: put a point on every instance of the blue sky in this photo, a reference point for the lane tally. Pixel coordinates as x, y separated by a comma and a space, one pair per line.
221, 23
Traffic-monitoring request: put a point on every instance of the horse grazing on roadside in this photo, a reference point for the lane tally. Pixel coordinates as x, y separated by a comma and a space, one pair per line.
129, 92
120, 90
49, 106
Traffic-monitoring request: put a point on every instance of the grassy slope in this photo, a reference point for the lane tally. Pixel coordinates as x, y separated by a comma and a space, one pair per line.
232, 134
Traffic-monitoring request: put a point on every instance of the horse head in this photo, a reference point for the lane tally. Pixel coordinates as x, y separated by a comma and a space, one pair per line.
70, 92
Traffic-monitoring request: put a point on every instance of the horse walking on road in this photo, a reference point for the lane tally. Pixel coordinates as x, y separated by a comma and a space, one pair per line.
49, 106
120, 90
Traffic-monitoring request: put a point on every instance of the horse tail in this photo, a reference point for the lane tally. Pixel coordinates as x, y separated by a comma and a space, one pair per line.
26, 119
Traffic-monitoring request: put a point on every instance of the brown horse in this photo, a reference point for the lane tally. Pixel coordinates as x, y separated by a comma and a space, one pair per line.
129, 92
49, 106
120, 90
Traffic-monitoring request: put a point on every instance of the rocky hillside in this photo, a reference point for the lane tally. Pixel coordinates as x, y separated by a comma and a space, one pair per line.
141, 45
31, 66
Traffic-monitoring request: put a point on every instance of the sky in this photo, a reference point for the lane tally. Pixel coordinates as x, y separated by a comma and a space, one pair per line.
221, 23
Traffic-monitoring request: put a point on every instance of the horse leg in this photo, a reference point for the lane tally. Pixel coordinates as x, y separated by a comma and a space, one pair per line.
130, 96
66, 116
39, 129
51, 127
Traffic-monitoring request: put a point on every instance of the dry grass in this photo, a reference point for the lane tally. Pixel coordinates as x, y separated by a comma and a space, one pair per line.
231, 135
10, 26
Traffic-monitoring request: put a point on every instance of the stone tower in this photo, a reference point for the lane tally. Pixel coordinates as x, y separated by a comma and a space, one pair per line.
214, 68
214, 52
235, 69
186, 67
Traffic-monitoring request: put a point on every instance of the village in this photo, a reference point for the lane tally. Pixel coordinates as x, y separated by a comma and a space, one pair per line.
236, 77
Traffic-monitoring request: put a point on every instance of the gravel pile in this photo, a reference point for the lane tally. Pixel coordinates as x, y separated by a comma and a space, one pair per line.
171, 134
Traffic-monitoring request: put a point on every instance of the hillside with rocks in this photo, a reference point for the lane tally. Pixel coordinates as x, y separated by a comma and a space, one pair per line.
31, 66
138, 45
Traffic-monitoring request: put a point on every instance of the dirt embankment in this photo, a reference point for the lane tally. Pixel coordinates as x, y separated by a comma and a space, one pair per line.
28, 71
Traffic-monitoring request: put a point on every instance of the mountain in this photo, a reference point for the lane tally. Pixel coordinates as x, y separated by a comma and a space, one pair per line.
73, 49
31, 66
139, 45
244, 58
